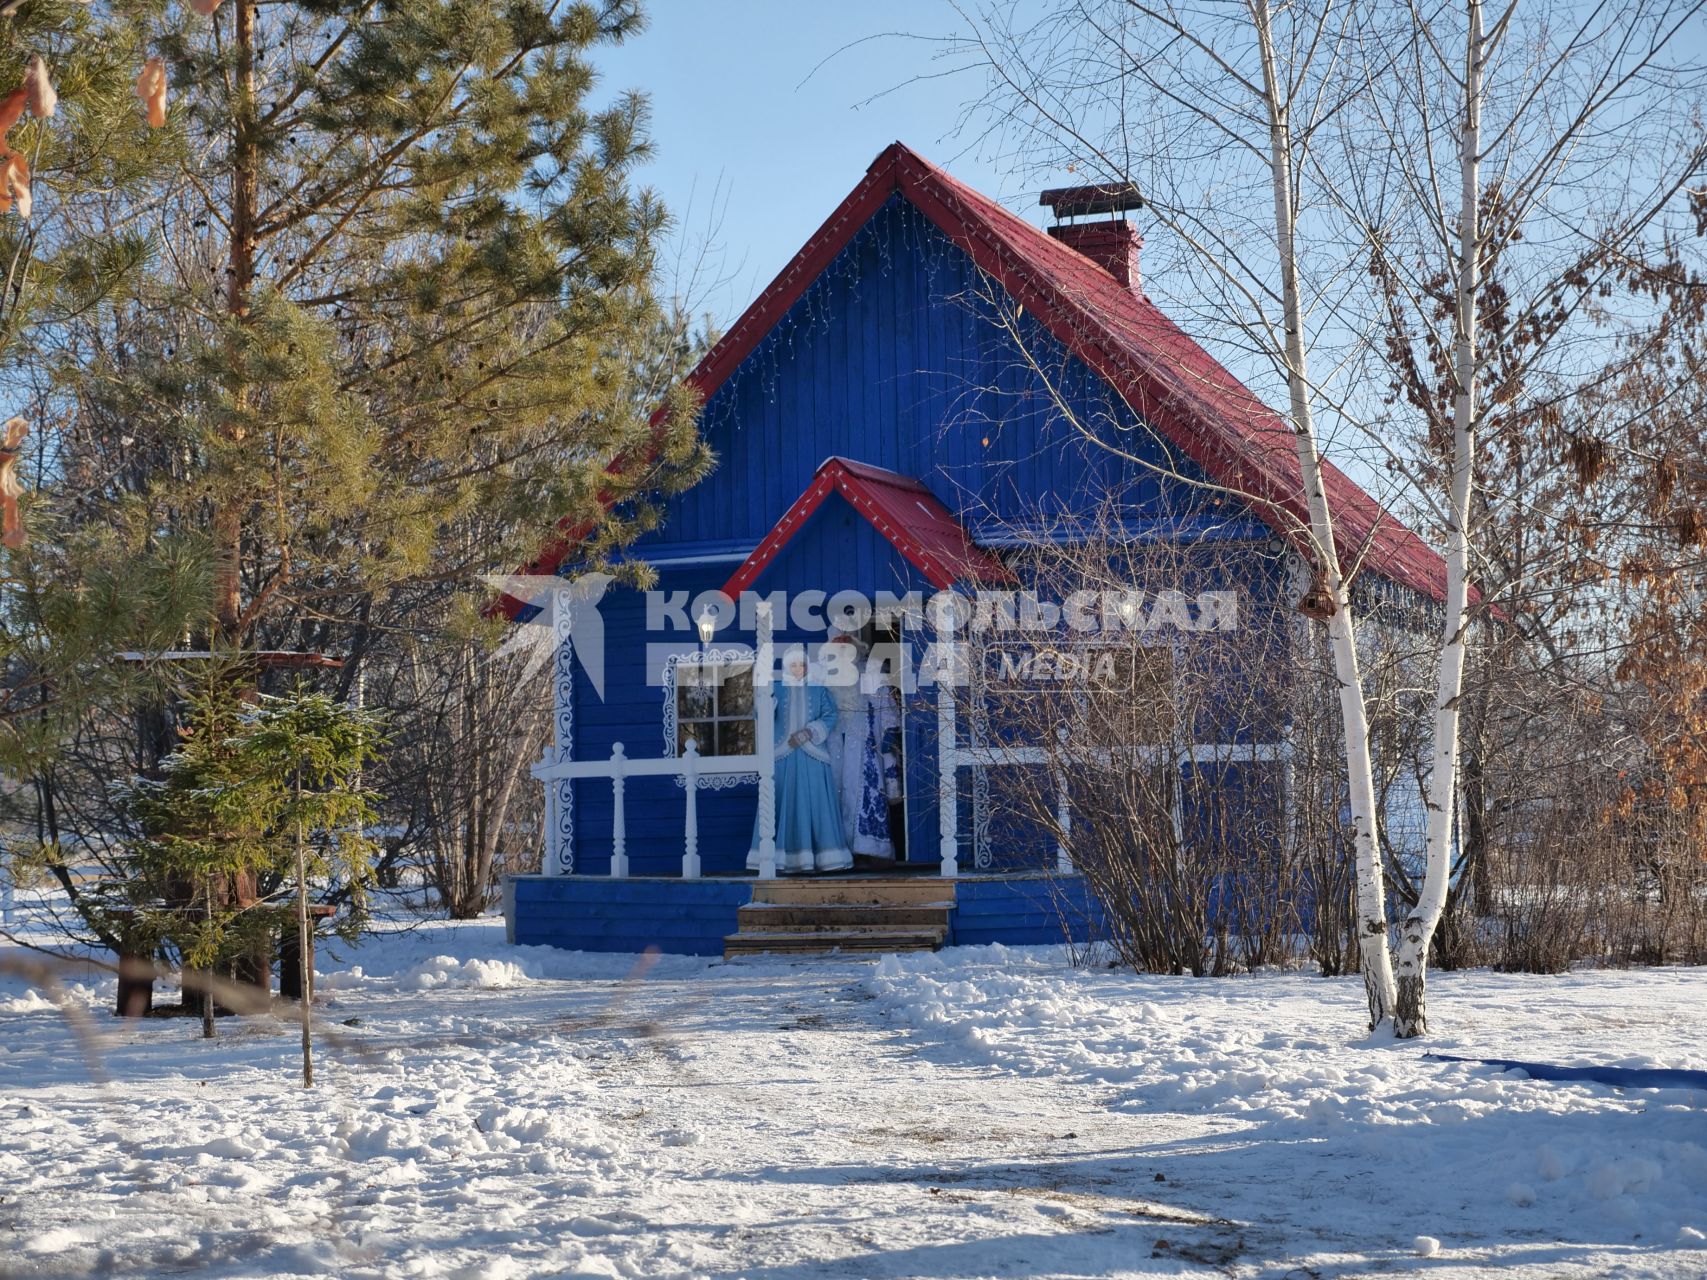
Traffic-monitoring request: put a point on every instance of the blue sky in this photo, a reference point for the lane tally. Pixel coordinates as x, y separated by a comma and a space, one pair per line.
767, 112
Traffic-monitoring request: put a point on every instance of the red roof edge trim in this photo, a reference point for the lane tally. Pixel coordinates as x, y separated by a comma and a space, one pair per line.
1191, 400
901, 509
734, 346
1167, 378
832, 236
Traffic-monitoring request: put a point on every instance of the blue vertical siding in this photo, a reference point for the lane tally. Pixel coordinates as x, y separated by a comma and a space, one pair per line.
1023, 910
678, 917
891, 357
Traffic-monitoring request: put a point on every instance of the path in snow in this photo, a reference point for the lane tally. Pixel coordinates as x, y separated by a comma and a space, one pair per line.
974, 1114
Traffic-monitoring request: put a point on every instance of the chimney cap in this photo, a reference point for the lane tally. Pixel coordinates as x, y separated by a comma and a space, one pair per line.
1108, 197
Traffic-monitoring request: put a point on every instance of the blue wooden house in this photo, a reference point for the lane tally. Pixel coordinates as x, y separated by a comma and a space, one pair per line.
931, 385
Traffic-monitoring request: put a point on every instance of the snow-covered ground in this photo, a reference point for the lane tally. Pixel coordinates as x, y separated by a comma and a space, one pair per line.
488, 1111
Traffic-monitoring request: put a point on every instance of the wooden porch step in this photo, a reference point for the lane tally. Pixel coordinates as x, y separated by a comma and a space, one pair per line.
815, 917
848, 913
913, 891
824, 941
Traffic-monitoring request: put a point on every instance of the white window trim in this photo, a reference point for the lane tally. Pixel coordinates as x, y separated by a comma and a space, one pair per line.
701, 658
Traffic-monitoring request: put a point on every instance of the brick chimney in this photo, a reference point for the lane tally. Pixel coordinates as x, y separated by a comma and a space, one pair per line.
1113, 245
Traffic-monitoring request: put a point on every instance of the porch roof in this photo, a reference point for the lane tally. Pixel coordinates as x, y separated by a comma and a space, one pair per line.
901, 509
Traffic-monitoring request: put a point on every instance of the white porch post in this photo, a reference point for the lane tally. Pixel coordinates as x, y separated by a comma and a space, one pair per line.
618, 821
690, 846
1064, 822
8, 895
764, 711
548, 852
947, 785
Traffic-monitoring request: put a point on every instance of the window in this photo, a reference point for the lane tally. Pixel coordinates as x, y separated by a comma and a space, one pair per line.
714, 706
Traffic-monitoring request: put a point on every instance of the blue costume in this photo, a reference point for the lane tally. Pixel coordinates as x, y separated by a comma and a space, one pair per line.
808, 814
860, 741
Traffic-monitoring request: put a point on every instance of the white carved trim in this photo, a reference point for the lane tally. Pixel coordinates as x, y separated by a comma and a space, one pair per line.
562, 808
1297, 575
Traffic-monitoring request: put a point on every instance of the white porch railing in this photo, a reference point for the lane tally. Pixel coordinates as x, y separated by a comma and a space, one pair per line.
690, 767
952, 757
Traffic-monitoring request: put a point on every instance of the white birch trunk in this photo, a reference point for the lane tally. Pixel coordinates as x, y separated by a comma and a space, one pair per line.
1371, 892
1411, 1015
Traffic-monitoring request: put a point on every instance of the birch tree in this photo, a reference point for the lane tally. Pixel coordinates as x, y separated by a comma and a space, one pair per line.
1531, 159
1203, 103
1359, 297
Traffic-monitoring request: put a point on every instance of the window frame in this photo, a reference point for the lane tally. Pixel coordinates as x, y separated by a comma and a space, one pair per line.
674, 720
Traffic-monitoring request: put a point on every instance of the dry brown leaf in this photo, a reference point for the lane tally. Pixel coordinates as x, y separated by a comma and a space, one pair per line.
11, 111
11, 520
38, 89
15, 184
151, 88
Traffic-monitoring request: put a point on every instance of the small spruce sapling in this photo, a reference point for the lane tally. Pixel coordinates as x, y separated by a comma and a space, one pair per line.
307, 752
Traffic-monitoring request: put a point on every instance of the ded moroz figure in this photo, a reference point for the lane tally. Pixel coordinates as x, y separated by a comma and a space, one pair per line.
866, 717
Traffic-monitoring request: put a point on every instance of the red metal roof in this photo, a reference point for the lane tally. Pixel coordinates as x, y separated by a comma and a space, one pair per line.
1173, 383
901, 509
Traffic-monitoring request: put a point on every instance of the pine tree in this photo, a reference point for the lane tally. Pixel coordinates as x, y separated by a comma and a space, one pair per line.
79, 593
413, 282
303, 758
72, 130
400, 290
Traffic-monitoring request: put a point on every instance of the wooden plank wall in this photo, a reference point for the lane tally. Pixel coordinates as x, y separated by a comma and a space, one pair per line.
679, 917
1020, 911
891, 358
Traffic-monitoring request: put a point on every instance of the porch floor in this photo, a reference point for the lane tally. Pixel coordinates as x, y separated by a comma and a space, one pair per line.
683, 916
